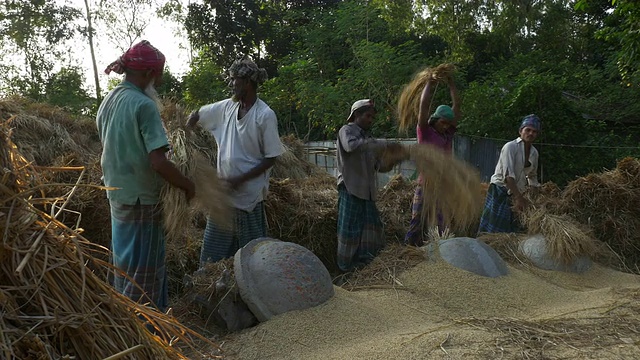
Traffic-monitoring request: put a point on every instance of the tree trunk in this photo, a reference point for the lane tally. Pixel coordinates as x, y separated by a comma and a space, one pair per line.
93, 54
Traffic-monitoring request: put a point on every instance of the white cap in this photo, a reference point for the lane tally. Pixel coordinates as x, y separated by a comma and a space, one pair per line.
359, 104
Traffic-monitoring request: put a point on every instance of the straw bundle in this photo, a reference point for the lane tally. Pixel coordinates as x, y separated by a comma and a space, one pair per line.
450, 186
409, 101
53, 305
566, 240
210, 197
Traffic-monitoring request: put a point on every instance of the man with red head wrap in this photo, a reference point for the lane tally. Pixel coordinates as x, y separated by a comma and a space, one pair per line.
134, 162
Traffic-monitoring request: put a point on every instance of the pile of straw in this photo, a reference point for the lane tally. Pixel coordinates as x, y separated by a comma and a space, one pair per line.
53, 305
211, 196
394, 202
566, 239
60, 145
293, 164
450, 186
409, 101
609, 202
304, 211
385, 268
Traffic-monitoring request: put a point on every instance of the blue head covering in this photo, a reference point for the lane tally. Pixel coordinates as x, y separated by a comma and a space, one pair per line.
532, 121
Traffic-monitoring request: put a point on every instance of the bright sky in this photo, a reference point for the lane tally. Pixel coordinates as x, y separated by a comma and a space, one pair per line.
168, 37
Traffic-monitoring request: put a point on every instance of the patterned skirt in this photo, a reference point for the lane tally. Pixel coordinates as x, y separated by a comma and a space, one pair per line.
497, 216
360, 230
416, 233
220, 243
138, 250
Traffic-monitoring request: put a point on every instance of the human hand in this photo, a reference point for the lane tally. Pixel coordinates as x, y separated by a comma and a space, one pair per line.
190, 191
520, 203
234, 182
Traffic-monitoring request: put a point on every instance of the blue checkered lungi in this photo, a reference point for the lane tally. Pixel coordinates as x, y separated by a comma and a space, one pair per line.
221, 244
497, 216
360, 230
138, 249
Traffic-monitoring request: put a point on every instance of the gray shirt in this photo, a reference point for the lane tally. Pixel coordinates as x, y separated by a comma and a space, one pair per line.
357, 161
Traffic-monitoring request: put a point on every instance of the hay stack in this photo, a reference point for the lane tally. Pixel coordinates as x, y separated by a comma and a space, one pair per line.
450, 186
56, 141
293, 164
409, 101
609, 202
304, 211
394, 203
53, 305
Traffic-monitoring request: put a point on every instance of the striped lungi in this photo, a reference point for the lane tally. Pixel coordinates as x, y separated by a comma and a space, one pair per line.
360, 230
138, 249
497, 216
416, 233
220, 243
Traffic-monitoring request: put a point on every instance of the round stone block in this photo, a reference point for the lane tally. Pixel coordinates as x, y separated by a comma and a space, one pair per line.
535, 249
274, 277
472, 255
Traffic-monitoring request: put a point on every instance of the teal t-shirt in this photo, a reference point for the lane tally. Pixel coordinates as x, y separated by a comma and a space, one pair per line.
130, 127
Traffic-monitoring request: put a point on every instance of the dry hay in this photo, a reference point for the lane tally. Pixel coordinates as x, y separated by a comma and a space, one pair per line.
409, 101
609, 328
53, 305
507, 245
566, 240
197, 303
385, 268
394, 202
61, 145
609, 202
293, 163
211, 195
450, 186
304, 211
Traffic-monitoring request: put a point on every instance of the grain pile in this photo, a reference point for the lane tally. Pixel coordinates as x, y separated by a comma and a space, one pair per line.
53, 305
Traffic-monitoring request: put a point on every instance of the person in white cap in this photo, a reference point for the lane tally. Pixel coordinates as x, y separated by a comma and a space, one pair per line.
360, 230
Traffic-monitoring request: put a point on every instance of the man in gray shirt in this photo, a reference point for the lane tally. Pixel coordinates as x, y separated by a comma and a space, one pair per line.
360, 230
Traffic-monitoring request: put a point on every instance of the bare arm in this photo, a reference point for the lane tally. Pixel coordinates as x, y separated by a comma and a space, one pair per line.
520, 203
193, 119
168, 171
453, 91
256, 171
425, 104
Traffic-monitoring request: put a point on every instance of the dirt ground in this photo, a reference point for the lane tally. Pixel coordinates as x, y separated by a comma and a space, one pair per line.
441, 312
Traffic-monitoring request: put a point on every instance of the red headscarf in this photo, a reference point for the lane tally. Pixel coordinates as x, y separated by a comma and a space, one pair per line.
141, 56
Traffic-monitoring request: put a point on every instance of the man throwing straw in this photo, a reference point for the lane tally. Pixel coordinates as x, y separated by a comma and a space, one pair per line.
360, 230
134, 161
246, 130
517, 167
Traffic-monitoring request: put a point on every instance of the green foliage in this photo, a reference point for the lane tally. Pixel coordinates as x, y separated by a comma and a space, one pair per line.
204, 83
66, 89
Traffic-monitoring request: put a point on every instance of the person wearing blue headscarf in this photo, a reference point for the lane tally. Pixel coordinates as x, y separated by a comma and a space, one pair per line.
516, 169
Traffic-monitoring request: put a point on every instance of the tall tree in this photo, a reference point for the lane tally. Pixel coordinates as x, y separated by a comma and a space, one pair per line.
36, 29
89, 31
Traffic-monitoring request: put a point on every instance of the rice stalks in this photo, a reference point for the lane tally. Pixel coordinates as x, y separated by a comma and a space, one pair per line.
211, 195
450, 188
409, 101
